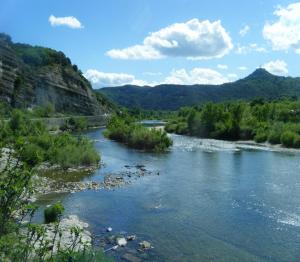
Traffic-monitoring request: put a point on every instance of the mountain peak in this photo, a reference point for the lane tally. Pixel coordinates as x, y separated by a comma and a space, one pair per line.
260, 73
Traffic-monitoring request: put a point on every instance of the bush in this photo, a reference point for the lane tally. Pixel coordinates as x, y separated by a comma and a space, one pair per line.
260, 137
296, 142
76, 123
274, 137
53, 213
71, 151
287, 138
47, 110
137, 136
32, 154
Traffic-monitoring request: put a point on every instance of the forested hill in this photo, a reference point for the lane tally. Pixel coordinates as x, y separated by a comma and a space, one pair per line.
260, 84
32, 76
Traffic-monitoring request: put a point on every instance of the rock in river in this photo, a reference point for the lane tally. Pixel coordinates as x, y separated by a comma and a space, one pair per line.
145, 244
121, 241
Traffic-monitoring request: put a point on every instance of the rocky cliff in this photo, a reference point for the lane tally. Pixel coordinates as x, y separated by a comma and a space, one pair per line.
34, 76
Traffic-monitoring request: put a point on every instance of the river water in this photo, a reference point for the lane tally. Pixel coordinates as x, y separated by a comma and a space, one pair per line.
213, 200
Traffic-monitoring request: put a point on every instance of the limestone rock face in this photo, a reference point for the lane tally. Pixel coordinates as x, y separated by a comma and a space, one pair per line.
34, 76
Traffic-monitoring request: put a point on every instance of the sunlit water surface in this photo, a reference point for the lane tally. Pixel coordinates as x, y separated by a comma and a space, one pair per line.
213, 200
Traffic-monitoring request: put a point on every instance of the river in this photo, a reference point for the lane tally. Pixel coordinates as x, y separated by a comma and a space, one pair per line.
213, 200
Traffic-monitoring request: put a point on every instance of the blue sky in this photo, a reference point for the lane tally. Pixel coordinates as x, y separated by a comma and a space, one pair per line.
150, 42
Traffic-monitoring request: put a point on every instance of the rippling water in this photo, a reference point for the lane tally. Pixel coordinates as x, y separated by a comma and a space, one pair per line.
214, 200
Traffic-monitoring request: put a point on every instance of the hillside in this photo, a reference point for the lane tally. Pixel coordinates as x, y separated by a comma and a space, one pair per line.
260, 84
34, 76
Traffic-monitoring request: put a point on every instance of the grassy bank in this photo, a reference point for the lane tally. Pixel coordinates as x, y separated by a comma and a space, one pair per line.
125, 130
27, 144
35, 144
275, 122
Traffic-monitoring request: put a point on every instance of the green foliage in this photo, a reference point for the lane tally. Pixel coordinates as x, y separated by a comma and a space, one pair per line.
75, 124
28, 242
105, 102
53, 212
47, 110
27, 143
277, 122
125, 130
35, 144
261, 136
40, 56
69, 151
287, 138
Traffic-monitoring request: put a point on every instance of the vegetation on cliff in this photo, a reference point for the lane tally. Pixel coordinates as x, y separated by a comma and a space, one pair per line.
275, 122
35, 75
125, 130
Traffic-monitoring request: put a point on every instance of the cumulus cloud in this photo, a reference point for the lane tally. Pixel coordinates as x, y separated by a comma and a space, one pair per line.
180, 76
244, 30
195, 76
193, 39
277, 67
284, 33
224, 67
69, 21
101, 79
243, 50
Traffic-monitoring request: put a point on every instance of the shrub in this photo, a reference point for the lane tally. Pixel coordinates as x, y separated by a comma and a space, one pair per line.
296, 142
181, 128
71, 151
137, 136
77, 123
53, 213
260, 137
274, 137
287, 138
32, 154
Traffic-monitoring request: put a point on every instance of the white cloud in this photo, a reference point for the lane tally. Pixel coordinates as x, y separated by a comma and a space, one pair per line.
244, 30
224, 67
195, 76
152, 73
285, 32
100, 79
243, 50
232, 76
69, 21
193, 39
242, 68
181, 77
276, 67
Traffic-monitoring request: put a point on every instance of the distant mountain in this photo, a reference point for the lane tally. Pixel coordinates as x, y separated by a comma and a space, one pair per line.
33, 76
260, 84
